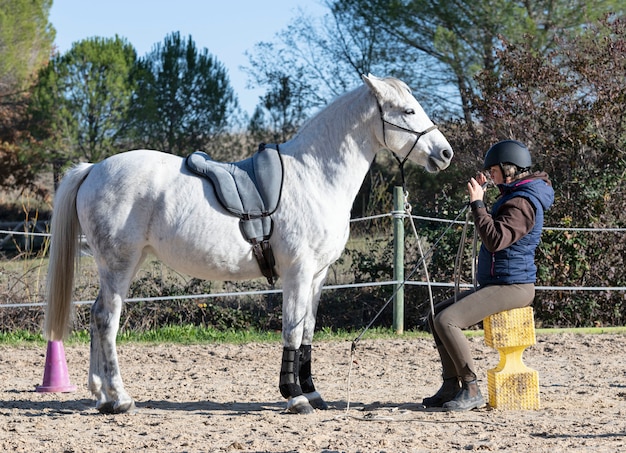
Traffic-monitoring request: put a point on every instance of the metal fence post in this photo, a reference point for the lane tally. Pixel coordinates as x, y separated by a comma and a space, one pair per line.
398, 259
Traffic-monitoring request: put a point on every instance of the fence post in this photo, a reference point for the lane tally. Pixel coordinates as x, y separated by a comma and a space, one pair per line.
398, 259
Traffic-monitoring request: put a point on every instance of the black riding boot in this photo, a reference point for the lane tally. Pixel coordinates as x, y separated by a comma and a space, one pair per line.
448, 390
467, 399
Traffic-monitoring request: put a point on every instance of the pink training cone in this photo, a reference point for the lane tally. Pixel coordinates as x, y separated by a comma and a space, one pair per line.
55, 376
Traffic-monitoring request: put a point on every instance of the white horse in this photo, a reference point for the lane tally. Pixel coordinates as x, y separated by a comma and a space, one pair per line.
142, 201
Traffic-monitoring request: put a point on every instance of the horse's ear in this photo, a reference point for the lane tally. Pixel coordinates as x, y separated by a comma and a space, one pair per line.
368, 78
373, 83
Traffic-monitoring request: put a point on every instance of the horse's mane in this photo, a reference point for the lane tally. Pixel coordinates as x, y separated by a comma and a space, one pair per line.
338, 102
398, 85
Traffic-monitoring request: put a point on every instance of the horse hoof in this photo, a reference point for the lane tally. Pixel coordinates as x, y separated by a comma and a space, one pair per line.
299, 405
111, 408
316, 401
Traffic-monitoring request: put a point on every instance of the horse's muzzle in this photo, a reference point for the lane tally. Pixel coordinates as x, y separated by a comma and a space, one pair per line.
440, 162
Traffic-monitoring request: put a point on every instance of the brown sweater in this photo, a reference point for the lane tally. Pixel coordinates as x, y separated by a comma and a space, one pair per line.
514, 220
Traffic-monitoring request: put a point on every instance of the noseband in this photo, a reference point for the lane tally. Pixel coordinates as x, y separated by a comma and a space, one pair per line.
418, 135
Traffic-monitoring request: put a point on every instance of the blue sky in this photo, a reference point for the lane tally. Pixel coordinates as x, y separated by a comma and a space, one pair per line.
226, 28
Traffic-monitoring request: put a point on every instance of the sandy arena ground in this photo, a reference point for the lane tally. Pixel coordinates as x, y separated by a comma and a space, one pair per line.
224, 398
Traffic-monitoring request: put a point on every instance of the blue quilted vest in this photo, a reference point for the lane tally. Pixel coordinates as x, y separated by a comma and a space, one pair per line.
516, 263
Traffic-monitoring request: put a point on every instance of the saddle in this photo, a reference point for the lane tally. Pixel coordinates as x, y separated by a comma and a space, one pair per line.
251, 190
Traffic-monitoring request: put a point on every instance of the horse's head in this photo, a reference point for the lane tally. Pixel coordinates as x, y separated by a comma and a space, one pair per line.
405, 128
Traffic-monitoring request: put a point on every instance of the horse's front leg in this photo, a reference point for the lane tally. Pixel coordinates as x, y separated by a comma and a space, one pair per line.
105, 380
306, 379
305, 374
299, 311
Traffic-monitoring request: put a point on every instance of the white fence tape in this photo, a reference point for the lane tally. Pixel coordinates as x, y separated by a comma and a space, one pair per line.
343, 286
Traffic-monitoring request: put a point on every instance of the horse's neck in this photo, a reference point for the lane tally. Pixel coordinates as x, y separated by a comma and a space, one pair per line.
338, 146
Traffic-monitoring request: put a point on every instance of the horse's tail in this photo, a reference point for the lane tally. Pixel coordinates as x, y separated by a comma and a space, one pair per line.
65, 230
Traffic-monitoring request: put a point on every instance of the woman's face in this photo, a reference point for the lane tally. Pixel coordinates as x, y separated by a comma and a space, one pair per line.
495, 172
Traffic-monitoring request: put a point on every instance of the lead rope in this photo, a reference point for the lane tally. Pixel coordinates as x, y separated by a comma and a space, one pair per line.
459, 258
407, 209
402, 284
459, 255
474, 258
377, 418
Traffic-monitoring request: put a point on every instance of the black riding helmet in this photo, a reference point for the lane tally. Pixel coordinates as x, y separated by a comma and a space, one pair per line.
508, 152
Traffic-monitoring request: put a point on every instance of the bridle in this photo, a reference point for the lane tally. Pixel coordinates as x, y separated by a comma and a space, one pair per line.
418, 135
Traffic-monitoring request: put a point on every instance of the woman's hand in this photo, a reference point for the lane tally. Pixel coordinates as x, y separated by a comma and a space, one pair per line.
481, 179
475, 189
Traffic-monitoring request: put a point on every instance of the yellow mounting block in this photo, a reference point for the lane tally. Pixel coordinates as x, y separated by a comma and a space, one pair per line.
512, 385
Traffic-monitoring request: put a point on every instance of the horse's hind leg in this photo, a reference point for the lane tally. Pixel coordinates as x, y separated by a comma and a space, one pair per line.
105, 380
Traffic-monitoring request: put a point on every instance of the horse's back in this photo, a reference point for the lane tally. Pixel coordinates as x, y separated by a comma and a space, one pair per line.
138, 167
129, 185
147, 201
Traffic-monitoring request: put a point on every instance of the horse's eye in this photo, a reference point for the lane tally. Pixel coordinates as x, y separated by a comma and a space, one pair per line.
409, 112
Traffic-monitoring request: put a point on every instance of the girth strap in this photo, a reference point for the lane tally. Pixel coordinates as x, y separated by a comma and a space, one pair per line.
265, 257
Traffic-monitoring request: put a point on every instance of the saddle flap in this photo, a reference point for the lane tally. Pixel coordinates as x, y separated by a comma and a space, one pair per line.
267, 163
258, 229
